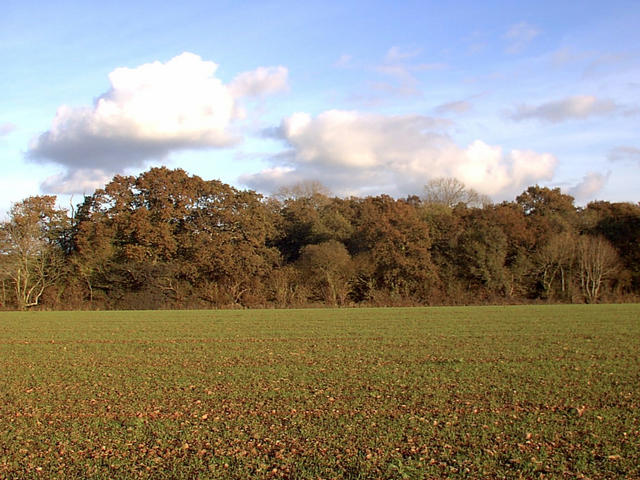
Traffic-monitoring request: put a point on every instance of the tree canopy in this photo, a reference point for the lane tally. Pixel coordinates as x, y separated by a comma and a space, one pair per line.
167, 239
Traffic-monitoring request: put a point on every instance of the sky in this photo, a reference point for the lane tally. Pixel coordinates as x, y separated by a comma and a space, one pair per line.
366, 97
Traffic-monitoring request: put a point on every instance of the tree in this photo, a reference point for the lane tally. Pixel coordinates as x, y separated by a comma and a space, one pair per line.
520, 242
32, 248
391, 243
445, 226
451, 191
555, 260
619, 223
310, 189
482, 252
328, 269
598, 263
310, 218
548, 211
223, 243
538, 200
173, 238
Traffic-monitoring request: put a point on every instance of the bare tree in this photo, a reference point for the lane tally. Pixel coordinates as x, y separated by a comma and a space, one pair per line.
598, 263
555, 260
451, 191
306, 189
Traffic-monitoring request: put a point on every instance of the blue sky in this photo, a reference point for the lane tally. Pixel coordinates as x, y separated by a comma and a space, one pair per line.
366, 97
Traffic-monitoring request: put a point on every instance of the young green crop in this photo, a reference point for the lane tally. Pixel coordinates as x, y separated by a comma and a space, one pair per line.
482, 392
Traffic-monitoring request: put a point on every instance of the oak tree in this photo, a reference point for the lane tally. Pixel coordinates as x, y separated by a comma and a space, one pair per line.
32, 248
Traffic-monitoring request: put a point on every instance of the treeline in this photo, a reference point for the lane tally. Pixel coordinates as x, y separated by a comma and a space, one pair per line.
165, 239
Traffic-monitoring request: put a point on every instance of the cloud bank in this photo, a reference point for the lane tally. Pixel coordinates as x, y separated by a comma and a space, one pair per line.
148, 112
360, 153
578, 107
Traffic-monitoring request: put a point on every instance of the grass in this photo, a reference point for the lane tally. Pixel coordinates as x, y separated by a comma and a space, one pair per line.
479, 392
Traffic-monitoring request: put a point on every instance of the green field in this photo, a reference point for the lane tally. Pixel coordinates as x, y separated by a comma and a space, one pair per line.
482, 392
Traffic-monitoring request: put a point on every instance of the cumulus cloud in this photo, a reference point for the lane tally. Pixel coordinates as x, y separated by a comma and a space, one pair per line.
519, 36
591, 184
148, 112
625, 153
6, 128
571, 108
358, 153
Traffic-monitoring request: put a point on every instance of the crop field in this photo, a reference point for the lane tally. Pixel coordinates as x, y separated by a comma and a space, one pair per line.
477, 392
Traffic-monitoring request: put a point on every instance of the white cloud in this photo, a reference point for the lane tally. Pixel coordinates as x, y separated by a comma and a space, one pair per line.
352, 139
570, 108
83, 181
260, 82
519, 36
148, 112
591, 184
358, 153
625, 153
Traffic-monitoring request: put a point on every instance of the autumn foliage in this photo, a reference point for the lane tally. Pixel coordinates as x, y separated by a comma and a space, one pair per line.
166, 239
